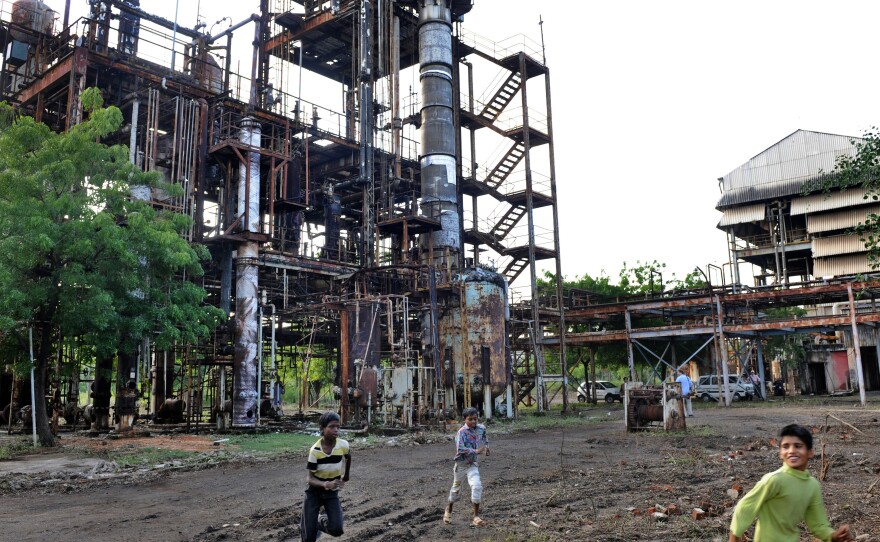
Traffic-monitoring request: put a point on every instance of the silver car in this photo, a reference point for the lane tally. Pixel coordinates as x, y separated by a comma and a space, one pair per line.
740, 388
604, 390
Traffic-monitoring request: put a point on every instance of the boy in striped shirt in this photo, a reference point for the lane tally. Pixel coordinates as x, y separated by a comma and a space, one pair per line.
326, 477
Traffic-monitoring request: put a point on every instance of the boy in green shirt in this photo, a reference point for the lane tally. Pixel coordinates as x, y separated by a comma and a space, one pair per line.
785, 497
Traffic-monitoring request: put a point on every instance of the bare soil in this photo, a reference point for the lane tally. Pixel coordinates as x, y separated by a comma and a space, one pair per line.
592, 481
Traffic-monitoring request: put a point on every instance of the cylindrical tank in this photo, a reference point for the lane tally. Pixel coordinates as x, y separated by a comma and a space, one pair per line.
438, 133
209, 74
249, 189
472, 337
34, 15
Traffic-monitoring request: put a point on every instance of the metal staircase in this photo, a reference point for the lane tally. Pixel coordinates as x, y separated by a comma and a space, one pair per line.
514, 268
502, 97
506, 165
524, 131
507, 222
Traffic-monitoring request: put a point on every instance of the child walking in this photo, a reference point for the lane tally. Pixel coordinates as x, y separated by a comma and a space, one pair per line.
326, 477
785, 497
471, 441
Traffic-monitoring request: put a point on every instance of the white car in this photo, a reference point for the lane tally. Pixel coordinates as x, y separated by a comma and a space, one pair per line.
707, 388
604, 390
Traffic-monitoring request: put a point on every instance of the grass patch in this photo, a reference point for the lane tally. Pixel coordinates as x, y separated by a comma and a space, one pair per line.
15, 448
697, 431
690, 456
272, 443
703, 431
548, 421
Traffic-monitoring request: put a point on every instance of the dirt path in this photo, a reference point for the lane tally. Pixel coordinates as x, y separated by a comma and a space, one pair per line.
590, 482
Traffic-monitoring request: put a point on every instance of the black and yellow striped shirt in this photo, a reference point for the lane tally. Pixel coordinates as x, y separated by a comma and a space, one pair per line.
330, 466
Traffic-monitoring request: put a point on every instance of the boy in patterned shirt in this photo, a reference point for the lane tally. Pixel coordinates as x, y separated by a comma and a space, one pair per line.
471, 441
326, 477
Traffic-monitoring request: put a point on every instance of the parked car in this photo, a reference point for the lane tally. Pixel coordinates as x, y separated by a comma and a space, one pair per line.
604, 390
740, 388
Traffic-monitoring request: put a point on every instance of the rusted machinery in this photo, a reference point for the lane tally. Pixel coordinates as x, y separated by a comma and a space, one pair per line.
346, 246
653, 407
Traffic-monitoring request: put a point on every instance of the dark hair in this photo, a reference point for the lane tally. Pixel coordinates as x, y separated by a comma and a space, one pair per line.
326, 418
469, 411
798, 431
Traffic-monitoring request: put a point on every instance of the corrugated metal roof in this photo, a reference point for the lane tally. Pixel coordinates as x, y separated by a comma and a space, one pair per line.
744, 214
816, 203
837, 244
839, 220
783, 168
850, 264
764, 192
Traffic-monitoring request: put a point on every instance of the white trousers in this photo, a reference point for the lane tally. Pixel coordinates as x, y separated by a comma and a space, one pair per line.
688, 406
472, 472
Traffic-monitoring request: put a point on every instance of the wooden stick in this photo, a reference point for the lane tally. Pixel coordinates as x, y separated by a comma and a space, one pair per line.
844, 423
871, 487
826, 464
561, 470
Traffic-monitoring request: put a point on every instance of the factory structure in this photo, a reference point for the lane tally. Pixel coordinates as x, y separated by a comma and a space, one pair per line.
373, 182
806, 321
784, 215
376, 185
779, 217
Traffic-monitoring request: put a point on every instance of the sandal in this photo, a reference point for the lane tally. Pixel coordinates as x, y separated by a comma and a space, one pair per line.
478, 522
447, 517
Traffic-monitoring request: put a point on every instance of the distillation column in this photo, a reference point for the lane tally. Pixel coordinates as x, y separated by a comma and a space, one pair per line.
439, 198
245, 394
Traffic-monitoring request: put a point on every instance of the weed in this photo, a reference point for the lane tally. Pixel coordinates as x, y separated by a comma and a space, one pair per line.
698, 431
15, 448
510, 537
691, 456
149, 456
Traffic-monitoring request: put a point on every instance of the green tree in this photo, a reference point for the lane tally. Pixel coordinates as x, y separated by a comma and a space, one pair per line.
787, 348
643, 278
647, 278
863, 169
79, 257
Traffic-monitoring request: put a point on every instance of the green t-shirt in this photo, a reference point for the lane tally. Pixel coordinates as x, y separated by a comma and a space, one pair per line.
781, 500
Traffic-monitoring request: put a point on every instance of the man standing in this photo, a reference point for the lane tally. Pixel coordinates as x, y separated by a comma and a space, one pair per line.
687, 386
756, 381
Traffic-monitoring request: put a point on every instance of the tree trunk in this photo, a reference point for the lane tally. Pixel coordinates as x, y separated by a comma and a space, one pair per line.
101, 392
44, 431
126, 390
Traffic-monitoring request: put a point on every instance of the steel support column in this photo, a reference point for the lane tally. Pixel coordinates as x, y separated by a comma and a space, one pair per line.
857, 348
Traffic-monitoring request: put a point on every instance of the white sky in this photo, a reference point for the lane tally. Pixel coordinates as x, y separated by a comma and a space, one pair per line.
653, 101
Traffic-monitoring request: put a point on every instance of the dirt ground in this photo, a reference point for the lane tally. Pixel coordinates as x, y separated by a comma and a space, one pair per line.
587, 482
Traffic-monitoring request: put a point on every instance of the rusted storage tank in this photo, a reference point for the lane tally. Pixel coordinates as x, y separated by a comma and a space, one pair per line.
208, 73
473, 338
34, 15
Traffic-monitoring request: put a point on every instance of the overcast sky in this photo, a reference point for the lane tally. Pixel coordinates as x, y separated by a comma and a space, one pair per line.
653, 101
